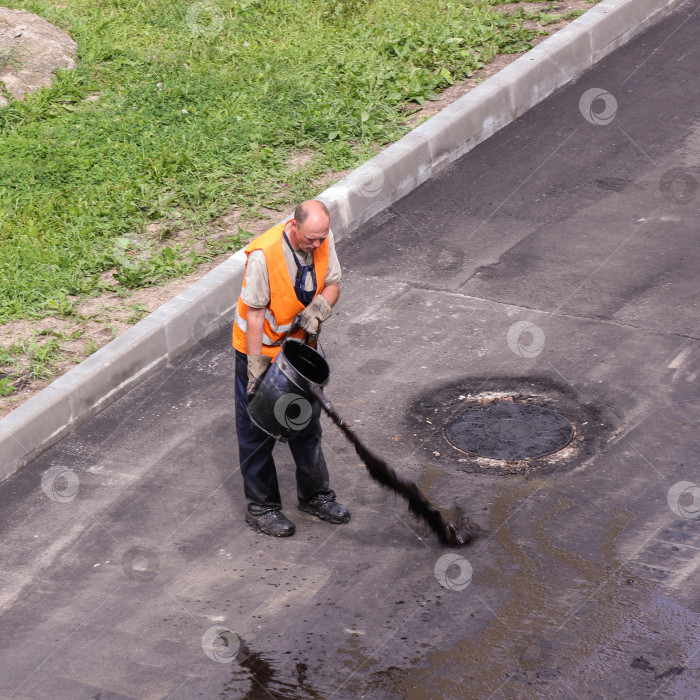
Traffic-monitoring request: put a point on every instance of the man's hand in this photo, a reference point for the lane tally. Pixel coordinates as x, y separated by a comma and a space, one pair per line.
257, 366
314, 314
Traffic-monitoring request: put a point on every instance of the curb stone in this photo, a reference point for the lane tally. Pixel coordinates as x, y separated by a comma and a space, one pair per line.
199, 310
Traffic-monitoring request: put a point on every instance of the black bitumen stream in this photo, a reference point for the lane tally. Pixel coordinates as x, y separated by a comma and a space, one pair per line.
556, 263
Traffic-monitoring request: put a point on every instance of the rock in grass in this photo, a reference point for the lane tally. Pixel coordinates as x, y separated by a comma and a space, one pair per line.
31, 50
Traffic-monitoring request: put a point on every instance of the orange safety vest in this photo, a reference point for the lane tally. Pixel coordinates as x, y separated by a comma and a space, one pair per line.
283, 305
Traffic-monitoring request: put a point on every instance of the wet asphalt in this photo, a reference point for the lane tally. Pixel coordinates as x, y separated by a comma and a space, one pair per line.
556, 264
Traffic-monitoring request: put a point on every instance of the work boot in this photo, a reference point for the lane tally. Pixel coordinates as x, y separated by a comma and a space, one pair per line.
325, 506
272, 522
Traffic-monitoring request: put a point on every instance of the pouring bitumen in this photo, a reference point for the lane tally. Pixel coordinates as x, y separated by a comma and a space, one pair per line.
301, 368
453, 534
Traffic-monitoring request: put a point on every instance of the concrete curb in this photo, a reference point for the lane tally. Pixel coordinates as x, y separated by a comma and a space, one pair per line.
118, 367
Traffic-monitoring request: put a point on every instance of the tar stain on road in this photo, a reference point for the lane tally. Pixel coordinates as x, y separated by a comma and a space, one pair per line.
264, 682
569, 623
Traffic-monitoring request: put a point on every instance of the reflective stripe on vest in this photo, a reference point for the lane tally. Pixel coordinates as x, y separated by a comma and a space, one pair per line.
243, 325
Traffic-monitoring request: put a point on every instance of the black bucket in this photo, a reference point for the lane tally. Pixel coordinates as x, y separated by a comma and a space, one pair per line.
282, 405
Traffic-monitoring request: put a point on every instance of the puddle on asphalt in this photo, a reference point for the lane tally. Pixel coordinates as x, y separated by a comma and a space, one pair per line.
256, 677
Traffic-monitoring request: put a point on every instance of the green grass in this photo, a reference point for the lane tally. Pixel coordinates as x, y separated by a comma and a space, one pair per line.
26, 361
544, 18
189, 124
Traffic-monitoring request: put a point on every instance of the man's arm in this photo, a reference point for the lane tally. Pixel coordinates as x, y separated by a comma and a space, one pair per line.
257, 362
254, 332
331, 293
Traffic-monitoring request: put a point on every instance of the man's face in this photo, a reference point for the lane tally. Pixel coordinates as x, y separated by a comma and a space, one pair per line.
311, 234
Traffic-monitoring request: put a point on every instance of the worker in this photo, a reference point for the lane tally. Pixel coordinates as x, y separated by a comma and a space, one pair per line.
291, 270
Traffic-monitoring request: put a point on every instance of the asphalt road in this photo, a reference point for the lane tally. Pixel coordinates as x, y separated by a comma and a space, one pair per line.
556, 264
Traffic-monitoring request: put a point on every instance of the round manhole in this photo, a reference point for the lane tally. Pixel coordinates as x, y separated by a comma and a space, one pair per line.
509, 430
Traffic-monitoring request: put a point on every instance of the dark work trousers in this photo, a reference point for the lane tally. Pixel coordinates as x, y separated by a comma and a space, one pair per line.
255, 453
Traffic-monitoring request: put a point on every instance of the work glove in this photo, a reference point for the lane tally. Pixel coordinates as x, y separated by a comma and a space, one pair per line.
314, 314
257, 366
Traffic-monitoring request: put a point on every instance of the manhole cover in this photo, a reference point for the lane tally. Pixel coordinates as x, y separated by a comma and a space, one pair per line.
509, 430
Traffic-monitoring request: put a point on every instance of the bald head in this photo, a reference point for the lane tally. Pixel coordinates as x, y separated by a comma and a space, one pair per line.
311, 208
310, 225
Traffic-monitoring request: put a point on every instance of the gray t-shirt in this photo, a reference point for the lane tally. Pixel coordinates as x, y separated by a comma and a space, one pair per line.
256, 293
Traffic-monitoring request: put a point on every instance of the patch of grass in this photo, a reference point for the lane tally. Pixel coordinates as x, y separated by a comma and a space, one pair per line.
6, 387
228, 243
61, 335
7, 355
573, 14
26, 361
60, 305
43, 358
139, 263
190, 123
545, 18
138, 311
